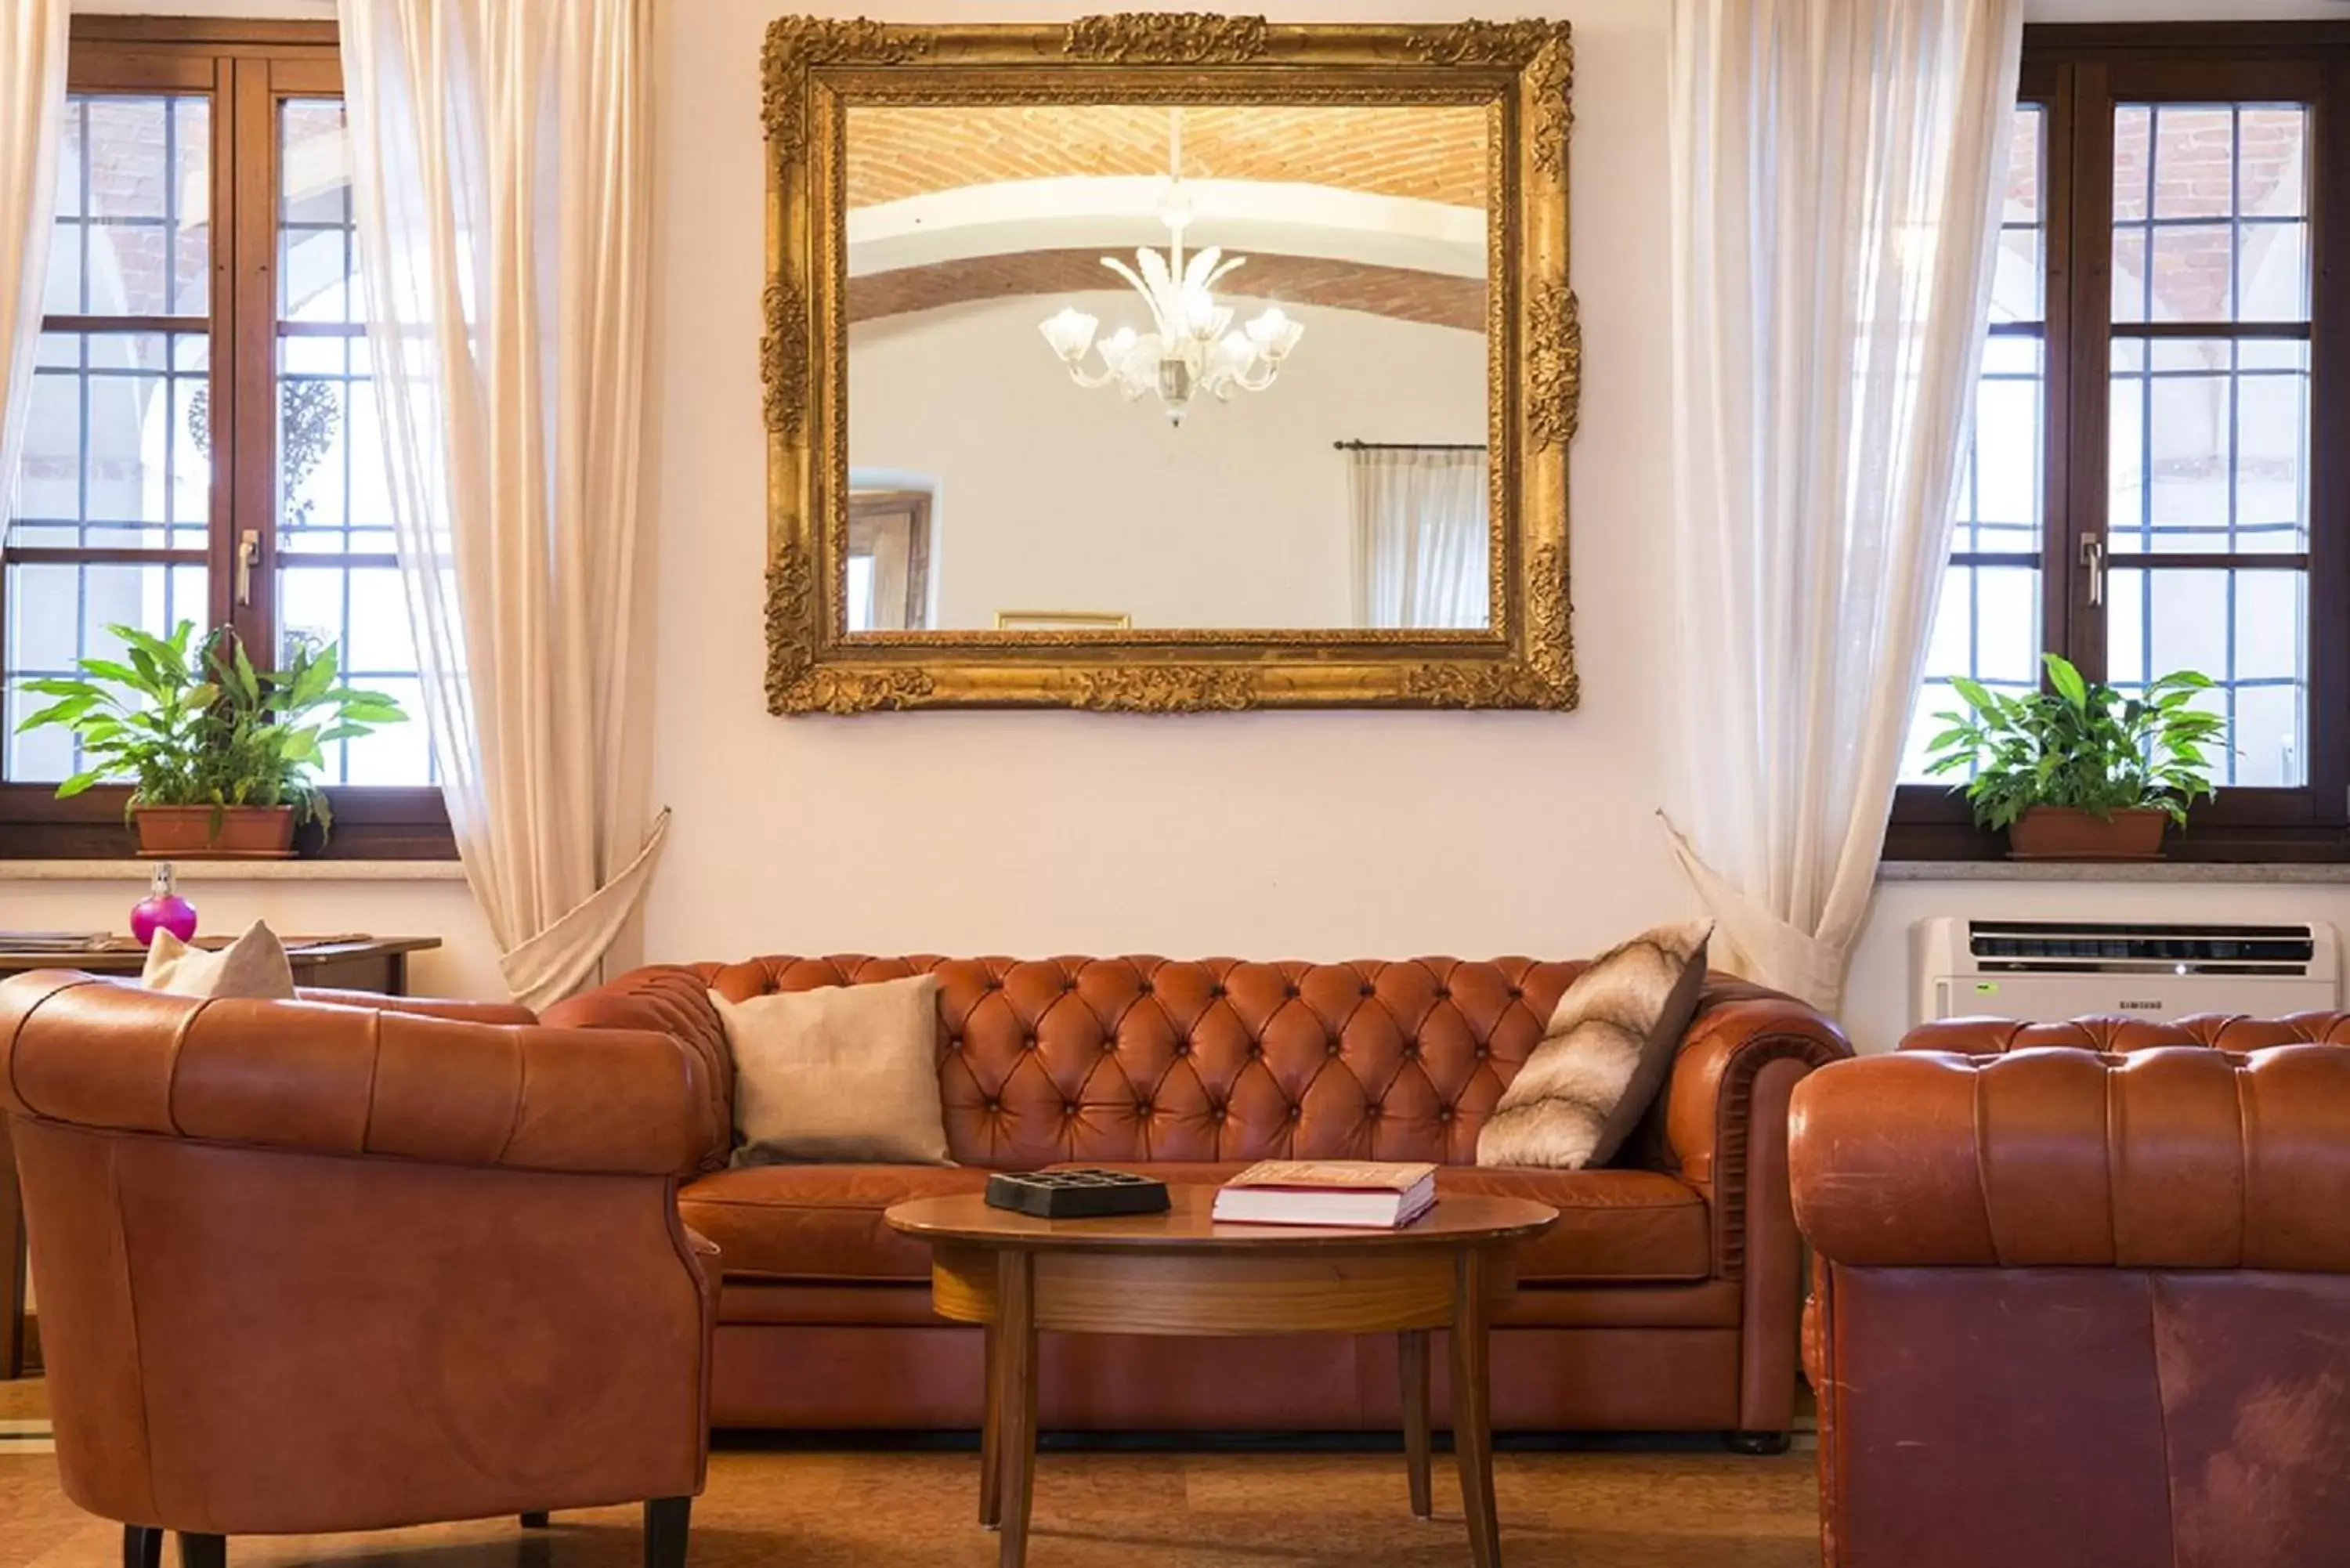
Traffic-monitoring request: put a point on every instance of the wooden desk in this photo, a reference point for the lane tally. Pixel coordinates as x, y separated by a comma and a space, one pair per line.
373, 963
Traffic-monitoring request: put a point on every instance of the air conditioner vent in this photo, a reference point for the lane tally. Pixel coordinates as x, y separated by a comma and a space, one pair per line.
2061, 946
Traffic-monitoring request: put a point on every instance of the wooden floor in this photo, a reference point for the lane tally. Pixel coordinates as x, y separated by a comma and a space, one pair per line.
770, 1509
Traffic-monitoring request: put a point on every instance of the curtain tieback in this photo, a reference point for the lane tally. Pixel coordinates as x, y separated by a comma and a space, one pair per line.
542, 969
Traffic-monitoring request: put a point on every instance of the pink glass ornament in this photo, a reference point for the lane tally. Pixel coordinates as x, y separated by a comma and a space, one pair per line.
163, 909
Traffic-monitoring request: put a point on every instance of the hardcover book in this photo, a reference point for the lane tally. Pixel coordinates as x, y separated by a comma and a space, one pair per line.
1359, 1194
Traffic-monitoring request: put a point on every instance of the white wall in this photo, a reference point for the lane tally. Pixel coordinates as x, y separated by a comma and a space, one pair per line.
1055, 497
1318, 835
1267, 833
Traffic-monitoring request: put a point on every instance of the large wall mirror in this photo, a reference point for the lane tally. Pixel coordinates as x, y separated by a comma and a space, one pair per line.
1168, 363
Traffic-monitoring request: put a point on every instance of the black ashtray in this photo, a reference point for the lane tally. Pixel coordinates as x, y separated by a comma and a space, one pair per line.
1083, 1194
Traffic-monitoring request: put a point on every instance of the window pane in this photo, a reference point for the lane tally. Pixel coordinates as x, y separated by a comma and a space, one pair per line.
1987, 627
133, 222
2019, 284
116, 445
59, 613
2209, 446
2210, 209
337, 582
2246, 629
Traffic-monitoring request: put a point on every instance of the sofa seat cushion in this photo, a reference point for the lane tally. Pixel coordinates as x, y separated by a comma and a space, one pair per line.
819, 1221
1615, 1225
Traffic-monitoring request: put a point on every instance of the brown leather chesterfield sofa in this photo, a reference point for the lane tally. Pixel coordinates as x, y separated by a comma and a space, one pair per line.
313, 1268
2082, 1294
1666, 1298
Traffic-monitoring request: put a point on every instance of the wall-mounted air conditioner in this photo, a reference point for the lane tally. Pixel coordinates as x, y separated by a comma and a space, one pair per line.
2046, 970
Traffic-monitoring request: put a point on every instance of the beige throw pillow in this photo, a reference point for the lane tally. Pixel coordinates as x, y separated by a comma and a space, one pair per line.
1610, 1044
844, 1072
253, 967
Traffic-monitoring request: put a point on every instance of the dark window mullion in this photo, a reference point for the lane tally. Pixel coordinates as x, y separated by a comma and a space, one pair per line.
2077, 625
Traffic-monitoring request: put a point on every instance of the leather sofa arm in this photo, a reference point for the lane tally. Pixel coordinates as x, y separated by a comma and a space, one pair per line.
672, 1000
2185, 1158
421, 1006
1710, 1130
354, 1080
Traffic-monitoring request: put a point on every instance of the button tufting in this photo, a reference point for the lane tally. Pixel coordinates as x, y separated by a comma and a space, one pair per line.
1182, 1047
1411, 1053
1289, 991
1256, 1052
1482, 1052
1516, 992
1070, 1108
1296, 1112
1216, 990
992, 1103
1445, 1115
1142, 1108
993, 984
1369, 991
1443, 993
1028, 1043
1333, 1050
1217, 1115
1144, 987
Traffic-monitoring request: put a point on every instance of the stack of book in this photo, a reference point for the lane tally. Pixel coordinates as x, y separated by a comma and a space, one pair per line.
1351, 1194
54, 941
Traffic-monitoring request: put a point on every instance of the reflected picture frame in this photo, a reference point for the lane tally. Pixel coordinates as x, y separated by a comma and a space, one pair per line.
1521, 73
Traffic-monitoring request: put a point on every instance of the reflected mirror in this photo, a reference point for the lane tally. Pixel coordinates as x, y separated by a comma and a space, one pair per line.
1134, 366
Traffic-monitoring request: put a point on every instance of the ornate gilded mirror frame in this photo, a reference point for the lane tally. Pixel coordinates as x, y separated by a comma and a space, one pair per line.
1520, 72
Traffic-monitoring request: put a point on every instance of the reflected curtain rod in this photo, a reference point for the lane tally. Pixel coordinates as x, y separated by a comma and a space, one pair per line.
1409, 445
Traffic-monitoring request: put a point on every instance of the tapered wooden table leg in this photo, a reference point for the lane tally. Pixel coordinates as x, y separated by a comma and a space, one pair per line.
1412, 1363
1472, 1439
1015, 1355
991, 1455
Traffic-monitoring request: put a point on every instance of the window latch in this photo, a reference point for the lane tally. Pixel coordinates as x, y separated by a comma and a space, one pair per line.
2093, 561
248, 555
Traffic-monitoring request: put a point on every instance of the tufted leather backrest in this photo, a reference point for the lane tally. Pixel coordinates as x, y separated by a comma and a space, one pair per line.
1145, 1058
2120, 1035
2179, 1157
320, 1078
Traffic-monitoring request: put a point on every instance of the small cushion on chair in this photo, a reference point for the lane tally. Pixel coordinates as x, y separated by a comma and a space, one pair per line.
1605, 1054
842, 1073
254, 967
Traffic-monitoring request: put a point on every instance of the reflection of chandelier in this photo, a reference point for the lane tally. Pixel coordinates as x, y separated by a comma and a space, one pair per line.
1194, 348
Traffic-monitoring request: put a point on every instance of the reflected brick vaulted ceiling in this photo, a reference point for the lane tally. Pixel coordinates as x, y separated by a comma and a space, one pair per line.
1431, 152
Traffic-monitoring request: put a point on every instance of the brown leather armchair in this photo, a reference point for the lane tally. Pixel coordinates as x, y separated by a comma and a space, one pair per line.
307, 1267
2074, 1307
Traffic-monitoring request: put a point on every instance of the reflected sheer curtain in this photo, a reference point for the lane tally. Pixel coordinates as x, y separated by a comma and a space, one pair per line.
1421, 555
32, 111
500, 154
1835, 179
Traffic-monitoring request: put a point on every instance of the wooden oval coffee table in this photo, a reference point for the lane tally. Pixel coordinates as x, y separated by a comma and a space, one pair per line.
1182, 1273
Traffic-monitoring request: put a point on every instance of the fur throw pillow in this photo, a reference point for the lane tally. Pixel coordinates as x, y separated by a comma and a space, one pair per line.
1610, 1044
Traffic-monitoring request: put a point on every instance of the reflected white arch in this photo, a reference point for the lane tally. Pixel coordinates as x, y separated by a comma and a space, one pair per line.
1015, 216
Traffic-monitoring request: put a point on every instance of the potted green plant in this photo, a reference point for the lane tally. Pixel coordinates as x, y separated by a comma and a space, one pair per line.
2080, 772
223, 758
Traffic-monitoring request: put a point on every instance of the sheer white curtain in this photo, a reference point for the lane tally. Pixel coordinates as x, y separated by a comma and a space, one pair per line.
1835, 168
500, 173
1420, 551
32, 111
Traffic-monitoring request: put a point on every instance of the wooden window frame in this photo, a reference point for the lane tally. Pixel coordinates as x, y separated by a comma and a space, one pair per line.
2078, 73
247, 68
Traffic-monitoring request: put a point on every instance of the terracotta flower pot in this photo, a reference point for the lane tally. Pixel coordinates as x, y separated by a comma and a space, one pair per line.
2067, 833
231, 833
